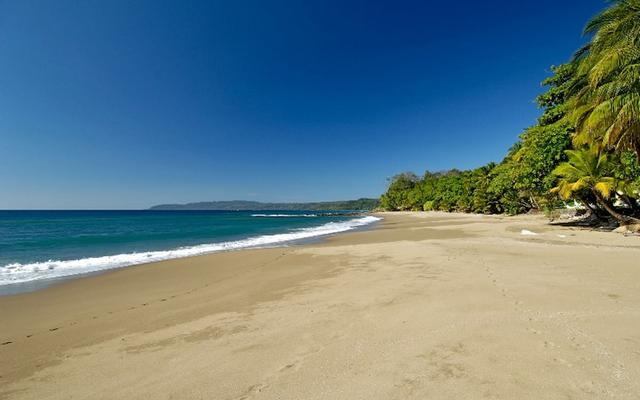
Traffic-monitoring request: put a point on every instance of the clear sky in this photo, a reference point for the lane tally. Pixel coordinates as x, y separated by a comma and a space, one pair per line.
126, 104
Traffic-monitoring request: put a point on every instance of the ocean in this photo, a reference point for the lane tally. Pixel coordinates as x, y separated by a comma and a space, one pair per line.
40, 246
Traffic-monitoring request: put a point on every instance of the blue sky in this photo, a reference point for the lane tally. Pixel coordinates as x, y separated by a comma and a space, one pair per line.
126, 104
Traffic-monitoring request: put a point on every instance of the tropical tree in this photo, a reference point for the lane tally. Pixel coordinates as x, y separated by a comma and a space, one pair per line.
505, 197
591, 104
542, 150
606, 101
525, 172
627, 173
397, 195
590, 170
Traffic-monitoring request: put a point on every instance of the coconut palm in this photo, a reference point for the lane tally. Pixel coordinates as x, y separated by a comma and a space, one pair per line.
589, 170
606, 99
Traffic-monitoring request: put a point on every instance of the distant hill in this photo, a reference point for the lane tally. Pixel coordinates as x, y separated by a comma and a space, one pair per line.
360, 204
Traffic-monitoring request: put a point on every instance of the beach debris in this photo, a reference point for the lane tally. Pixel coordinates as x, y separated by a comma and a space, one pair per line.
562, 236
526, 232
628, 229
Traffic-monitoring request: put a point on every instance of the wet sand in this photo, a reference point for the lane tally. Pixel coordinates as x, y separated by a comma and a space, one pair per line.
427, 305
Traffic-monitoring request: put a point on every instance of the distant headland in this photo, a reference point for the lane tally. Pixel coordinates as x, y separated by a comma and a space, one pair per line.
233, 205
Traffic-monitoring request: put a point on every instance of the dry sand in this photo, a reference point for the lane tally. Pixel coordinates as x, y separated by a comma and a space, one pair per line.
427, 305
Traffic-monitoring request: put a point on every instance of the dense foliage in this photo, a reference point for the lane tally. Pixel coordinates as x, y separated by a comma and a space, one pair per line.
584, 146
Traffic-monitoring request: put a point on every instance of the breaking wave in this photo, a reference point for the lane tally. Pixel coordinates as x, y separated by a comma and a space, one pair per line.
283, 215
17, 273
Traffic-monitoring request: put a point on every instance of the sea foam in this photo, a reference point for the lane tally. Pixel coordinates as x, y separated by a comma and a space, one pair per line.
18, 273
284, 215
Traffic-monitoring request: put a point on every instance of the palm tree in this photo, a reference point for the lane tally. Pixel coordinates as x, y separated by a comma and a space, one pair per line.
589, 170
606, 99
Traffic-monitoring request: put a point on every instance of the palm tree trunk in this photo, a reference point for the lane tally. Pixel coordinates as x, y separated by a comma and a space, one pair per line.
592, 210
631, 203
594, 205
623, 219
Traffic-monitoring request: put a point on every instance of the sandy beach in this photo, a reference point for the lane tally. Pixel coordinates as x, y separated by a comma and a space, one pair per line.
426, 305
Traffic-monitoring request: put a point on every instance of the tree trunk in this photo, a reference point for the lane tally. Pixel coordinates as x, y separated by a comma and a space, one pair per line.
592, 210
592, 203
623, 219
534, 203
631, 203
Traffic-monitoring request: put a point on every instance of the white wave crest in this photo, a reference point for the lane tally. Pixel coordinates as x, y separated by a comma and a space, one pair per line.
283, 215
17, 273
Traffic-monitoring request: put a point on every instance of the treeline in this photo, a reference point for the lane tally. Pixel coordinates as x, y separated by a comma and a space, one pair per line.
584, 146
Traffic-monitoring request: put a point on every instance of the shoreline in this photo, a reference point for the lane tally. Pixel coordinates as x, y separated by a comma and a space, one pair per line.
435, 305
313, 236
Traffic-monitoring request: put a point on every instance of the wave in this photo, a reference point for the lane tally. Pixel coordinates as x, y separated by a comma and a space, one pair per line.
283, 215
19, 273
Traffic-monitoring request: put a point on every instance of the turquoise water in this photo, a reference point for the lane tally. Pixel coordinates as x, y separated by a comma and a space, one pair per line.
37, 245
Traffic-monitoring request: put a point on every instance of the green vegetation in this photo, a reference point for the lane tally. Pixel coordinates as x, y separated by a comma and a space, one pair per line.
590, 172
584, 146
351, 205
